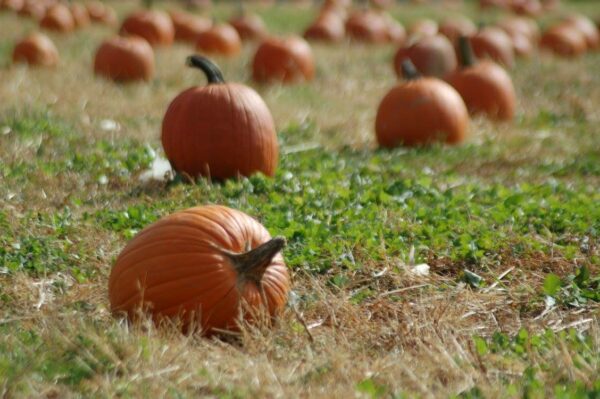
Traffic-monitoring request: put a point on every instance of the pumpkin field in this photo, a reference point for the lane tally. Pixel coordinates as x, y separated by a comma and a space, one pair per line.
313, 199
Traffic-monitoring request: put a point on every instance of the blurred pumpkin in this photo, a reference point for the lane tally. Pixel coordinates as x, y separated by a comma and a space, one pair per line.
493, 43
58, 18
531, 8
514, 25
587, 27
395, 30
367, 26
431, 55
564, 40
455, 27
208, 267
484, 86
328, 27
33, 9
188, 27
221, 130
154, 26
101, 13
220, 39
420, 111
35, 49
249, 26
125, 59
11, 5
80, 14
423, 27
284, 60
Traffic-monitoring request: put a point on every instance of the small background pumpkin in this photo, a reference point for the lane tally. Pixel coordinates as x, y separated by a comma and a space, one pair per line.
285, 60
36, 49
125, 59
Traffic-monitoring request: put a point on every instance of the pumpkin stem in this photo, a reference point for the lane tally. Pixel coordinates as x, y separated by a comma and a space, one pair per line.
210, 69
409, 71
252, 264
466, 52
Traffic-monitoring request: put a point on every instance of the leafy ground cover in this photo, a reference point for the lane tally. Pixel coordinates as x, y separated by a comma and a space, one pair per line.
508, 224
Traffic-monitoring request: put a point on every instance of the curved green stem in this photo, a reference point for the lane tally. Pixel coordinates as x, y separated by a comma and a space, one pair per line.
210, 69
253, 264
409, 71
467, 56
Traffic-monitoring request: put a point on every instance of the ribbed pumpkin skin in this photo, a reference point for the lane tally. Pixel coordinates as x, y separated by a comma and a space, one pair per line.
564, 40
58, 18
220, 40
486, 88
188, 27
495, 44
125, 59
36, 49
172, 269
249, 26
285, 60
154, 26
432, 55
420, 112
220, 130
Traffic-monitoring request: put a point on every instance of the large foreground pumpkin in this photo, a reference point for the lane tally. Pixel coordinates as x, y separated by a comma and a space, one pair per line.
208, 267
421, 111
221, 130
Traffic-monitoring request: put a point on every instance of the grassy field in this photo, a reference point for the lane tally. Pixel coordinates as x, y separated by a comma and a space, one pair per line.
509, 224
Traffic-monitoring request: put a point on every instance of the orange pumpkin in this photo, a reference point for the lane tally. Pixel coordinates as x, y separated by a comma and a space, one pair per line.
421, 111
80, 14
188, 27
208, 267
284, 60
395, 30
587, 27
101, 13
220, 39
520, 26
423, 27
125, 59
431, 55
12, 5
530, 8
35, 49
564, 40
484, 86
58, 18
33, 9
221, 130
154, 26
249, 26
367, 26
455, 27
329, 27
493, 43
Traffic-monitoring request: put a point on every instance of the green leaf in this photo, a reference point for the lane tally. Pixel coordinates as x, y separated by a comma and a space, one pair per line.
551, 284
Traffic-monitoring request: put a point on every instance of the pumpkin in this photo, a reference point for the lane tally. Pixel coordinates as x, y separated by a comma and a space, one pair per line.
125, 59
221, 130
11, 5
484, 4
587, 27
80, 14
154, 26
35, 49
484, 86
395, 31
188, 27
423, 27
367, 26
493, 43
520, 26
58, 18
455, 27
249, 26
220, 39
208, 267
420, 111
530, 8
101, 13
33, 9
564, 40
329, 27
431, 55
285, 60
